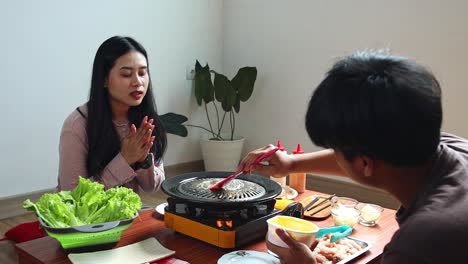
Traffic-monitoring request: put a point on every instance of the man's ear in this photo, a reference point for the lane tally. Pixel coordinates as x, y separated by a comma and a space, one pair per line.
367, 165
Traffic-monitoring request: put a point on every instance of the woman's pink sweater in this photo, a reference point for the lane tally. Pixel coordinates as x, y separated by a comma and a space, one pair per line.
73, 149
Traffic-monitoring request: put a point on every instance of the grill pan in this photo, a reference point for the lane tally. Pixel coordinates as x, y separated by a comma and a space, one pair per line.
245, 189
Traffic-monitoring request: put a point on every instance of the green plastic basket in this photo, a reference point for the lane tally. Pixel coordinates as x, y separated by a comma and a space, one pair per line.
88, 235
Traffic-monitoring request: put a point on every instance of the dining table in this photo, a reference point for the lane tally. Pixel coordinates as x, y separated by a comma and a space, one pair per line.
151, 224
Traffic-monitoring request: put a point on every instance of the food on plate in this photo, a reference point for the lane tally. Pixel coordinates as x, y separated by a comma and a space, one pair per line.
87, 204
330, 253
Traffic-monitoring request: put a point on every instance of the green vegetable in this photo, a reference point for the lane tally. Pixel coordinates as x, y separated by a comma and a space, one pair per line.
87, 204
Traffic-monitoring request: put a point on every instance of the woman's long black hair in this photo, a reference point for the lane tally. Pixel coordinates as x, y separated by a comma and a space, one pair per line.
103, 141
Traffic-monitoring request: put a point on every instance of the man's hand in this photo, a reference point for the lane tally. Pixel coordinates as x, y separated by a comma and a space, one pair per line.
277, 165
296, 253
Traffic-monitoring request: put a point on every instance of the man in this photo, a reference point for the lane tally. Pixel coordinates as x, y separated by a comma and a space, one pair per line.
379, 117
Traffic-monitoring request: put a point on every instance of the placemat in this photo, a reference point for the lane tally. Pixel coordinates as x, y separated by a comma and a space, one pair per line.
148, 250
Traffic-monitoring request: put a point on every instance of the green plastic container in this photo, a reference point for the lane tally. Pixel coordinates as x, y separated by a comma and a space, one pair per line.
88, 235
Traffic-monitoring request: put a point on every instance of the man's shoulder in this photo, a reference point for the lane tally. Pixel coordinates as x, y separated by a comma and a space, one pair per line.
431, 236
430, 218
452, 161
454, 142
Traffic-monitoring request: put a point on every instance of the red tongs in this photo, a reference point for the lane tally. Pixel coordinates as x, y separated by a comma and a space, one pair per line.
222, 182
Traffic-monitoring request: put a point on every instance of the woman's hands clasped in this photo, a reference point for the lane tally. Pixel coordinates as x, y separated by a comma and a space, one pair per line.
278, 164
137, 144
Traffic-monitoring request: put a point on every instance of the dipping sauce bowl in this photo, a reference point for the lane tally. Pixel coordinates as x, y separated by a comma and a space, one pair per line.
370, 213
299, 229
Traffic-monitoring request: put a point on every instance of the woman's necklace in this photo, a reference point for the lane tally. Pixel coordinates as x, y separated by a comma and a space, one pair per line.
121, 124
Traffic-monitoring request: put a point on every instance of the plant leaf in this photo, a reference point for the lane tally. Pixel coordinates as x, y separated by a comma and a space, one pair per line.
221, 86
230, 99
198, 66
244, 82
176, 129
237, 104
198, 87
173, 118
172, 122
204, 89
225, 106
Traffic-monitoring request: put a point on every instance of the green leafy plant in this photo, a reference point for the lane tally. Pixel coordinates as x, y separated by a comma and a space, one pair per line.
173, 124
220, 94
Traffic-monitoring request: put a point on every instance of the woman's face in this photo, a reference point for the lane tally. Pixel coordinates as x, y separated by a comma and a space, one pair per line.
128, 80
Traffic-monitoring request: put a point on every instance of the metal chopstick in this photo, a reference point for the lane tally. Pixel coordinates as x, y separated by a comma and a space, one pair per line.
314, 200
322, 202
319, 210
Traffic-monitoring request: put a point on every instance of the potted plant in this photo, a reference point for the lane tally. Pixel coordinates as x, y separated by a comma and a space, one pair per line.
221, 98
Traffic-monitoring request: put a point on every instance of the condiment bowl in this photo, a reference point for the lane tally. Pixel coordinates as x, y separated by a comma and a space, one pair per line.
299, 229
343, 215
370, 213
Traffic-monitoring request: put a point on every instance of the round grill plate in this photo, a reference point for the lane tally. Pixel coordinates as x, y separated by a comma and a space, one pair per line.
235, 190
245, 189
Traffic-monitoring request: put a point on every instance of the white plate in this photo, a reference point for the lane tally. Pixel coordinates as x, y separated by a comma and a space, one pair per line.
291, 193
248, 257
288, 193
160, 208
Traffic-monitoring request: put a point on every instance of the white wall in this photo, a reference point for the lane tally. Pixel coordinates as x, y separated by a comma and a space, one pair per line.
293, 44
48, 47
47, 52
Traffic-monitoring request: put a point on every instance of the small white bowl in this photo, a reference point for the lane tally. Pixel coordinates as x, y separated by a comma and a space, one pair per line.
344, 215
343, 201
370, 213
299, 229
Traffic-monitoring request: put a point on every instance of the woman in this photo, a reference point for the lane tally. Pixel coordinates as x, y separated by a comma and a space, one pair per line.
116, 138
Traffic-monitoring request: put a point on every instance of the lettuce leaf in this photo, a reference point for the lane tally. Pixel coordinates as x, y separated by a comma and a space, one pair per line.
88, 203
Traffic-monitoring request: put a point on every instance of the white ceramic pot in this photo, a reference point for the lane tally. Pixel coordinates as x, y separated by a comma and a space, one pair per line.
221, 155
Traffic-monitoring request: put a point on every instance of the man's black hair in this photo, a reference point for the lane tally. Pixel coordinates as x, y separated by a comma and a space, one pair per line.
377, 104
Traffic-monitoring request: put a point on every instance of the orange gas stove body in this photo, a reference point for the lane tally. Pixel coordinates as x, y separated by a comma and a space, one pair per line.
226, 236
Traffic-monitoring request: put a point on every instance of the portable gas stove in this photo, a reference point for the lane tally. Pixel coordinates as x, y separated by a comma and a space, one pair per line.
228, 218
